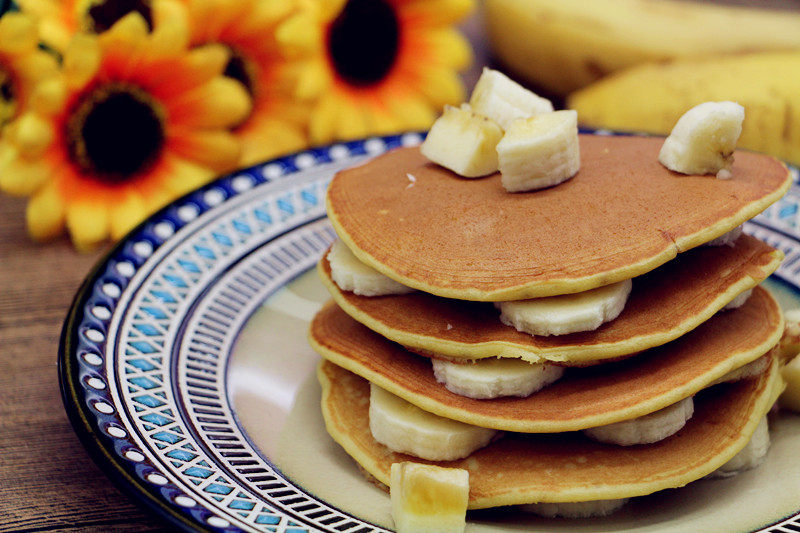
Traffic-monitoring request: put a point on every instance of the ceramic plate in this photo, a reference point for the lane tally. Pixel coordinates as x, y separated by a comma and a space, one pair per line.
186, 372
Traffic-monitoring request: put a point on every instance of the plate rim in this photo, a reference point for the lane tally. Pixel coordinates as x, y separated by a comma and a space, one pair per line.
85, 428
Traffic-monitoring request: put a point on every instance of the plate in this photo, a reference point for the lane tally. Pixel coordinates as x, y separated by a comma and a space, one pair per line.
185, 370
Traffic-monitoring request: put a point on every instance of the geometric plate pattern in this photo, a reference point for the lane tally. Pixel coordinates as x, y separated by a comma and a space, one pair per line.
144, 350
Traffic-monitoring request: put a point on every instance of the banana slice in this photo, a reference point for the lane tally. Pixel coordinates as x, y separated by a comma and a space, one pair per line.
575, 509
464, 142
727, 239
645, 429
791, 375
750, 456
539, 152
703, 139
428, 498
739, 300
789, 345
498, 97
352, 275
569, 313
493, 378
405, 428
750, 370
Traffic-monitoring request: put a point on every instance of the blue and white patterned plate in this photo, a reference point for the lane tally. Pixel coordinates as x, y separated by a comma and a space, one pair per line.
200, 401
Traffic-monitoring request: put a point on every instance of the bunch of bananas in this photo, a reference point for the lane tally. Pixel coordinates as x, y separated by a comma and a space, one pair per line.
638, 65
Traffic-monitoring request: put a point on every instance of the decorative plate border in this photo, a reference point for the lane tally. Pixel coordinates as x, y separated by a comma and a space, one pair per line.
143, 353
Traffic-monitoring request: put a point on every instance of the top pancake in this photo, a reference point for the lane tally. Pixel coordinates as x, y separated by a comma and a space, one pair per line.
621, 216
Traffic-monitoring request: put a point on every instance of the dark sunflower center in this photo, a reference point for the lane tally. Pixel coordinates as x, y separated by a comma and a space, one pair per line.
102, 14
241, 70
115, 132
363, 41
8, 97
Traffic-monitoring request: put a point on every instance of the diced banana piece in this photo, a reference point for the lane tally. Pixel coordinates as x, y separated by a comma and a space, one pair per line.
750, 370
789, 345
791, 375
428, 498
750, 456
503, 100
405, 428
727, 239
352, 275
575, 509
703, 139
539, 152
645, 429
569, 313
463, 141
739, 300
493, 378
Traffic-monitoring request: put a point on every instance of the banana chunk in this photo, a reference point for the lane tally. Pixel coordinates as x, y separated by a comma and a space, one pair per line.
791, 375
464, 142
405, 428
750, 456
352, 275
739, 300
539, 152
750, 370
569, 313
589, 509
645, 429
703, 139
789, 345
428, 498
727, 239
494, 378
503, 100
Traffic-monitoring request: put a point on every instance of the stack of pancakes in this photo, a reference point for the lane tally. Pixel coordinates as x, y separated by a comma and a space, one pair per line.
464, 244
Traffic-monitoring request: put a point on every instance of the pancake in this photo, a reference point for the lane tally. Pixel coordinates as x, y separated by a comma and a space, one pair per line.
565, 467
583, 398
621, 216
664, 304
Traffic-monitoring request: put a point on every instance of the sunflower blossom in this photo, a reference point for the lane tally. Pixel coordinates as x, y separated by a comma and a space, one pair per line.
134, 120
377, 66
59, 20
247, 28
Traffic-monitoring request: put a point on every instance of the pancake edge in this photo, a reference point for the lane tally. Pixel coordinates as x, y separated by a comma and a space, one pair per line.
766, 398
562, 355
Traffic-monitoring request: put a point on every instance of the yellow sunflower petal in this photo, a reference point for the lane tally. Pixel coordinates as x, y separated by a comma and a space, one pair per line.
218, 150
441, 86
49, 96
449, 48
53, 29
207, 61
88, 224
220, 103
351, 122
412, 112
312, 79
322, 124
186, 176
170, 37
265, 139
81, 60
439, 12
33, 135
130, 212
383, 123
19, 176
35, 66
45, 213
18, 33
273, 10
129, 31
299, 34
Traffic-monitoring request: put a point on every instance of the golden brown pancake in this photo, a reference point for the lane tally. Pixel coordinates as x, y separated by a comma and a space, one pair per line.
564, 467
622, 215
583, 398
664, 304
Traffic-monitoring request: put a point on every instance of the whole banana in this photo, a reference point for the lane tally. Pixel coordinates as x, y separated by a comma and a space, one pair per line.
565, 45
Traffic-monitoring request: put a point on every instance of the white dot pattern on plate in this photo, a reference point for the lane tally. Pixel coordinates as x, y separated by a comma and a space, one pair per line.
411, 139
217, 521
94, 335
375, 146
133, 455
112, 290
96, 383
125, 269
187, 212
338, 152
185, 501
272, 171
303, 161
119, 433
241, 183
104, 408
213, 197
101, 312
143, 249
164, 230
92, 358
158, 479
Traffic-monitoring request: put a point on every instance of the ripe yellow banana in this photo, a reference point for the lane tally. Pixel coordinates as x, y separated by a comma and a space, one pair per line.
652, 97
565, 45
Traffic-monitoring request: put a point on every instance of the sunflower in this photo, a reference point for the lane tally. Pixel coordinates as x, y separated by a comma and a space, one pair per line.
247, 28
134, 120
378, 66
59, 20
